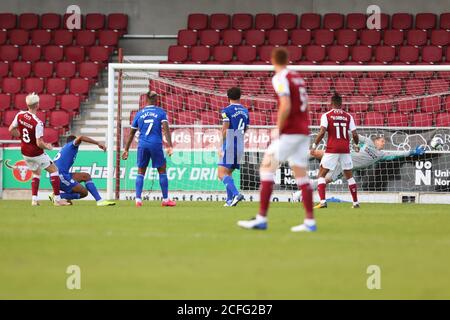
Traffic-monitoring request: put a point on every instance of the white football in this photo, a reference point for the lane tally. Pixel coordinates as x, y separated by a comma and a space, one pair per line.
437, 143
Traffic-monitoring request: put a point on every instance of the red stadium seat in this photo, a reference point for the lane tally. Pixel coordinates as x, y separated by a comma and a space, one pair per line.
5, 101
99, 55
43, 69
338, 54
426, 21
35, 85
108, 38
196, 102
11, 85
224, 84
375, 119
86, 38
382, 103
185, 117
264, 21
258, 118
56, 86
70, 103
19, 101
295, 53
51, 136
397, 119
79, 86
432, 54
255, 37
95, 21
408, 54
21, 69
438, 86
232, 37
88, 70
416, 38
74, 53
286, 21
223, 54
31, 53
440, 38
118, 22
200, 54
197, 21
324, 37
443, 119
8, 117
344, 86
59, 120
219, 21
310, 21
209, 118
402, 21
28, 21
278, 37
4, 69
444, 21
246, 54
47, 102
391, 86
368, 86
264, 53
5, 134
431, 104
393, 37
409, 105
300, 37
66, 69
361, 54
209, 38
333, 21
242, 21
7, 21
356, 21
265, 105
446, 103
207, 84
250, 86
320, 86
41, 37
187, 38
18, 37
358, 104
50, 21
53, 53
385, 54
370, 37
9, 53
63, 37
178, 54
346, 37
315, 53
3, 37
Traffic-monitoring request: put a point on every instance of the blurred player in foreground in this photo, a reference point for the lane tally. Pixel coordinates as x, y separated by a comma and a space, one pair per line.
371, 152
151, 122
30, 129
292, 145
235, 123
70, 182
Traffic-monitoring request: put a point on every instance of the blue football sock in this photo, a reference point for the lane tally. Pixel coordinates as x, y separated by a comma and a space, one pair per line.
229, 183
139, 186
164, 183
229, 195
93, 190
70, 196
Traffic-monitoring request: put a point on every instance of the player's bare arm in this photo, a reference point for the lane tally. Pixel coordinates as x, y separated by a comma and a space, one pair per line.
355, 140
13, 130
168, 137
319, 138
86, 139
128, 144
43, 145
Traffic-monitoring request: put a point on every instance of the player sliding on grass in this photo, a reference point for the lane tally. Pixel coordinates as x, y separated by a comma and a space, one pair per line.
151, 122
70, 182
235, 122
30, 129
371, 152
292, 144
337, 123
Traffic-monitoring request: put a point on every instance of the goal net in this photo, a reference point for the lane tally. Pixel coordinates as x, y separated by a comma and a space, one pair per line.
407, 105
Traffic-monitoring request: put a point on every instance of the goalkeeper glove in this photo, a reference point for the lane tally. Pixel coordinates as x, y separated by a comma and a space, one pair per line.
418, 151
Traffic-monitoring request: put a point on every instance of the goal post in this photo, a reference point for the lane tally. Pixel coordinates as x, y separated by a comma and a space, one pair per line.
394, 92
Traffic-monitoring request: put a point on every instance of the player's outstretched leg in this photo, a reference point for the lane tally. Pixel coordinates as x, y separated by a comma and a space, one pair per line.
233, 195
352, 188
164, 184
90, 186
139, 187
55, 181
303, 183
35, 188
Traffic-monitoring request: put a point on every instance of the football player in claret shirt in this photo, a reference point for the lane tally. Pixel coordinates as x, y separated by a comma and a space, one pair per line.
30, 129
292, 144
338, 124
152, 123
235, 123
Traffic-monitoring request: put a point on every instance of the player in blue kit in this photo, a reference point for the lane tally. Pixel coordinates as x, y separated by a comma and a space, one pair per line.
235, 123
70, 182
151, 122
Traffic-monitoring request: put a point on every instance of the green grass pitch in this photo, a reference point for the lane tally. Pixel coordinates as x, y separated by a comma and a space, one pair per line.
196, 251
